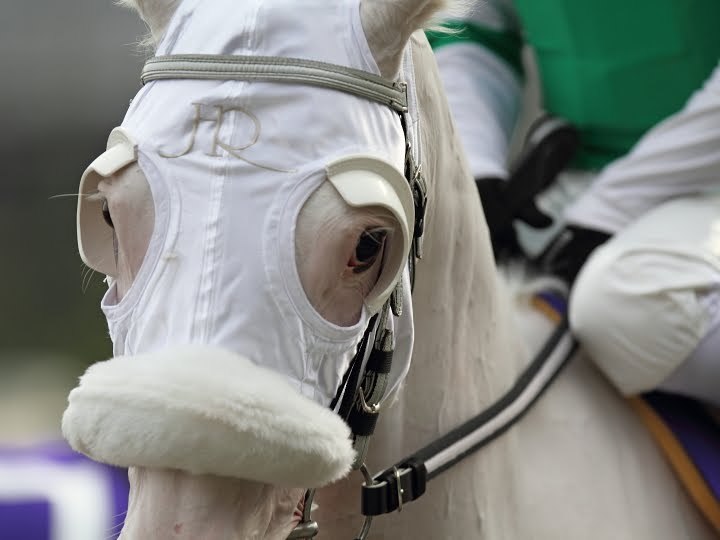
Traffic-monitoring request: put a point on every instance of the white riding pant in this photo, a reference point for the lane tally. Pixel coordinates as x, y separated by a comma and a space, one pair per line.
483, 91
646, 305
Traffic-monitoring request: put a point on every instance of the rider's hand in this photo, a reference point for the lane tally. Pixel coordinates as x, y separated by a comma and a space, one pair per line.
567, 253
500, 203
550, 145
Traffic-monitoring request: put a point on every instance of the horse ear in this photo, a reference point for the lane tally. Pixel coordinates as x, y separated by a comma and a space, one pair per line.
155, 13
388, 25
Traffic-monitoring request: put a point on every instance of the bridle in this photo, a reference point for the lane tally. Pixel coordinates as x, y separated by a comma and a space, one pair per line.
364, 385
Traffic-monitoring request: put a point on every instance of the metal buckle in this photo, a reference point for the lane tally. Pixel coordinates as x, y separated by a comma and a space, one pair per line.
304, 530
307, 528
370, 409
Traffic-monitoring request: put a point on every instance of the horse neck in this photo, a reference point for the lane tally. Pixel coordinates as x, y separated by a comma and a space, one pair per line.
462, 314
463, 357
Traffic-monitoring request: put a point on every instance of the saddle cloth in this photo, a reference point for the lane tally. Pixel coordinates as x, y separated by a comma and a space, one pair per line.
686, 431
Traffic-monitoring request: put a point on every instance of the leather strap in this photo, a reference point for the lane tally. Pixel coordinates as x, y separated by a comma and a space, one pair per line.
393, 488
406, 481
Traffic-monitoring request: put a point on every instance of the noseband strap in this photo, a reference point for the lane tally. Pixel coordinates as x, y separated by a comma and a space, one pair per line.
278, 69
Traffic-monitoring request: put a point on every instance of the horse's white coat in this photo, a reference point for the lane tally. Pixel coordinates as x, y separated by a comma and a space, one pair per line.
578, 466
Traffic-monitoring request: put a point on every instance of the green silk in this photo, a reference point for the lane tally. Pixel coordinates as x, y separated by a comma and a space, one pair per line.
615, 68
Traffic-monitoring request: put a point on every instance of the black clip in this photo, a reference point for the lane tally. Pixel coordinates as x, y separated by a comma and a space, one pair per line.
394, 487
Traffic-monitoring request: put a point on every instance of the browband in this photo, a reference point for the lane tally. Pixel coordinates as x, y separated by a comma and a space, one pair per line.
278, 69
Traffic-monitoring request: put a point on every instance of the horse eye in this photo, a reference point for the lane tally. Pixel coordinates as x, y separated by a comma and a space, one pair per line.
106, 214
367, 250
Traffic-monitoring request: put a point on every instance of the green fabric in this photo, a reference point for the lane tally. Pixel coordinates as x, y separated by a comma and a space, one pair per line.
614, 68
504, 43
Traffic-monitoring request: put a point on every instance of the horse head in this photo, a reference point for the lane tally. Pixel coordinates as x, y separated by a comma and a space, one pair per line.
251, 232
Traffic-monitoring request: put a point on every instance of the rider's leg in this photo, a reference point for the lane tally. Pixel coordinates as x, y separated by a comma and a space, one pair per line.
645, 306
483, 86
699, 375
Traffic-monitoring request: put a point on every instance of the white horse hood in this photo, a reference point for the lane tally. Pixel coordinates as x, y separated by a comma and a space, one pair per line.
223, 156
230, 164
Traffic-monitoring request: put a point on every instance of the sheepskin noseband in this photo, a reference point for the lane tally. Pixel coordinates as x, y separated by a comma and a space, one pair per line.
207, 411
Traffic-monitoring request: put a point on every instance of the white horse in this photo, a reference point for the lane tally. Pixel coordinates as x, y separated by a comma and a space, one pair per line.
579, 465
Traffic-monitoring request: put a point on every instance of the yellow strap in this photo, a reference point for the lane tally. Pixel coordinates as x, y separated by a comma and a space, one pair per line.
546, 308
683, 466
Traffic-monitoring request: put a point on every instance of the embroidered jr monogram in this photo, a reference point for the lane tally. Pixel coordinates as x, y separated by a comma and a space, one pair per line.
217, 116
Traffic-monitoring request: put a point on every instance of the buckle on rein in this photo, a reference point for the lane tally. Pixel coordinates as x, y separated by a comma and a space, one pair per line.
406, 481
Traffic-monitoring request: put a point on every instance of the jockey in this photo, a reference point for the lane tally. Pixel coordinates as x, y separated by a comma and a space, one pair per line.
639, 83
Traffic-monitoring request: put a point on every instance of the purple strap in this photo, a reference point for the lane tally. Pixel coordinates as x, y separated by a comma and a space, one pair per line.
695, 430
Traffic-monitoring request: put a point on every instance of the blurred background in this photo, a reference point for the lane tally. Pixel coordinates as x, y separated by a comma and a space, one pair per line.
68, 70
